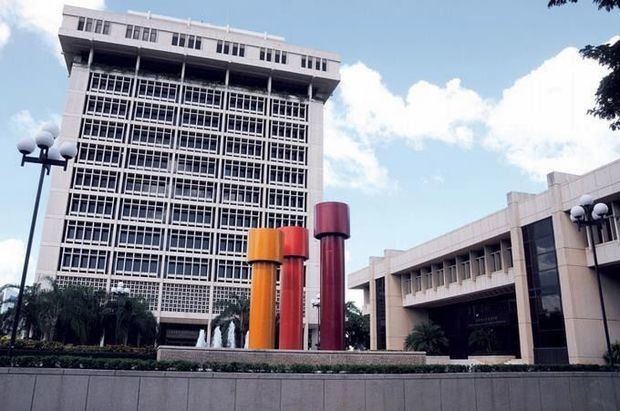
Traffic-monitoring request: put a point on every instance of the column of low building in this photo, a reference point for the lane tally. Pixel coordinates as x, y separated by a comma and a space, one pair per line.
585, 338
524, 317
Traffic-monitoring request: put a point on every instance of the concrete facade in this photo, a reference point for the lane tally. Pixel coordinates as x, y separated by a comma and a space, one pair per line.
57, 389
189, 134
487, 258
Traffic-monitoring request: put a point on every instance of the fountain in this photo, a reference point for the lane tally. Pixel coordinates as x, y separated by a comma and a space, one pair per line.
216, 342
202, 341
246, 344
231, 335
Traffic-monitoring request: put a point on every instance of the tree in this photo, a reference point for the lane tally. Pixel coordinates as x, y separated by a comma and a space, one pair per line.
427, 336
607, 103
356, 328
126, 318
237, 310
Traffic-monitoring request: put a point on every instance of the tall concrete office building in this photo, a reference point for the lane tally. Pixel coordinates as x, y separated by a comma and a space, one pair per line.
189, 134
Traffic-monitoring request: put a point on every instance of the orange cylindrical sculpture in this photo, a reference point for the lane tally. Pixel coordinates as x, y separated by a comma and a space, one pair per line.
265, 254
294, 252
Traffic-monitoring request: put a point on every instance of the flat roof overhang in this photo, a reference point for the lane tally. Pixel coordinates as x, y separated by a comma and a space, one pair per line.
72, 45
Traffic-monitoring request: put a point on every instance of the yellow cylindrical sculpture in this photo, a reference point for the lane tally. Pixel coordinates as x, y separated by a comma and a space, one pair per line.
265, 254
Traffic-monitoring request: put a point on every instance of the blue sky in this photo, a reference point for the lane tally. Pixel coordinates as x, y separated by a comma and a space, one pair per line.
443, 107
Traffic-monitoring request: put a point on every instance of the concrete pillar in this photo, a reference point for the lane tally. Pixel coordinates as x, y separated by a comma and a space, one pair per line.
524, 318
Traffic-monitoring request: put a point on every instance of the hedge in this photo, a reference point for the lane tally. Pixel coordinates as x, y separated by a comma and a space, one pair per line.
38, 348
65, 361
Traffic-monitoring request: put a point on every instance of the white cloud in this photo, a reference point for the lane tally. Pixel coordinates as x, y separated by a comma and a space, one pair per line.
25, 125
39, 16
433, 179
12, 252
349, 161
5, 33
541, 123
428, 112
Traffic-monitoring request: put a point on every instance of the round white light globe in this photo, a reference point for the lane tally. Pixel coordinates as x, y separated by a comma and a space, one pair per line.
600, 210
586, 200
68, 150
51, 128
54, 154
577, 213
44, 140
26, 145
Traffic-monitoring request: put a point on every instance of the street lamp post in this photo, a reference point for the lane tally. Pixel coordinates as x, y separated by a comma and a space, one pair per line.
50, 154
316, 303
589, 214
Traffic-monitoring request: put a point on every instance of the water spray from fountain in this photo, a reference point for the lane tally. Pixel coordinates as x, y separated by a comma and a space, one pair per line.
201, 342
247, 339
231, 335
216, 342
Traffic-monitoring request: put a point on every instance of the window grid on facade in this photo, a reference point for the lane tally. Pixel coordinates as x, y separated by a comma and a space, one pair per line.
186, 40
238, 219
157, 90
203, 97
145, 184
83, 260
243, 147
87, 232
93, 25
189, 241
139, 159
287, 153
185, 298
191, 215
103, 130
195, 118
142, 210
286, 199
288, 109
288, 176
188, 268
314, 63
244, 125
154, 113
94, 179
277, 56
241, 194
282, 130
145, 290
151, 136
70, 280
276, 220
233, 271
231, 48
141, 33
87, 205
110, 83
196, 165
198, 141
136, 264
232, 244
246, 103
242, 171
106, 106
193, 190
139, 237
96, 154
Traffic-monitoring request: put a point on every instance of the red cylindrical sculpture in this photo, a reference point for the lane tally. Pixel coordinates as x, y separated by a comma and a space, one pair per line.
331, 227
294, 252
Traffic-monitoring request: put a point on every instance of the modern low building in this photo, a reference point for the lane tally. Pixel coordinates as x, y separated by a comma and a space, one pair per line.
518, 282
189, 134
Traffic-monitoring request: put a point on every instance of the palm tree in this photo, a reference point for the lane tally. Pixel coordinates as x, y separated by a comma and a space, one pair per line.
483, 339
357, 327
80, 314
428, 337
236, 309
126, 317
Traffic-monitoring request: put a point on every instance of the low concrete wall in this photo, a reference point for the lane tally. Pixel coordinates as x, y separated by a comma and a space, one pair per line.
227, 355
66, 390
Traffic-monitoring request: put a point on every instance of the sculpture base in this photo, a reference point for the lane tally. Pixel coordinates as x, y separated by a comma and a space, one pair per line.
288, 357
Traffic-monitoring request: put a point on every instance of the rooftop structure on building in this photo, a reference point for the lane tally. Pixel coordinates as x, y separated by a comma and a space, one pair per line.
189, 134
523, 275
